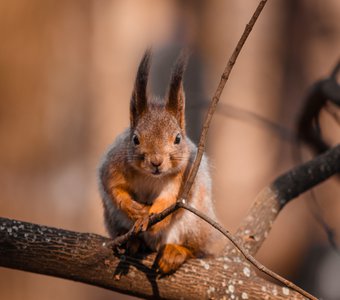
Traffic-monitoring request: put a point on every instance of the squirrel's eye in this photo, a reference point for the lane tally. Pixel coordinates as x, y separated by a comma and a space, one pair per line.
177, 139
135, 140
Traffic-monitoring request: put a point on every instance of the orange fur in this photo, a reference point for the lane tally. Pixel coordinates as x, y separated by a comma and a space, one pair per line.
171, 257
158, 206
133, 209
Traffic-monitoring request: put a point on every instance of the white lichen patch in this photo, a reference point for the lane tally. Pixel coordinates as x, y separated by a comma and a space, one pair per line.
274, 291
205, 264
237, 259
240, 282
210, 291
285, 291
231, 288
225, 267
263, 289
244, 295
104, 244
224, 284
246, 271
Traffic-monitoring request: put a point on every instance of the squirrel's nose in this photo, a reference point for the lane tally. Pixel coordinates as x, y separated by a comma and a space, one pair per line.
156, 161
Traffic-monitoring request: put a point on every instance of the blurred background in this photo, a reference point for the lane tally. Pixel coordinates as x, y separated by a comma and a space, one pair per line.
66, 74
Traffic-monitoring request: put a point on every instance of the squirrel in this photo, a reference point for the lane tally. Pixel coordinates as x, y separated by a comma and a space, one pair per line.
142, 172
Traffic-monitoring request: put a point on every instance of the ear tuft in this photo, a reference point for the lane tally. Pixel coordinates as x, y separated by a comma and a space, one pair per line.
176, 97
138, 103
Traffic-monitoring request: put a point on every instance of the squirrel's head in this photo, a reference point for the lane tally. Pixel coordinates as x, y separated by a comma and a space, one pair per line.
157, 129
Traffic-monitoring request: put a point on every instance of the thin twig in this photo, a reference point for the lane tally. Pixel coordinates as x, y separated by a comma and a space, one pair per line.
246, 255
153, 219
213, 104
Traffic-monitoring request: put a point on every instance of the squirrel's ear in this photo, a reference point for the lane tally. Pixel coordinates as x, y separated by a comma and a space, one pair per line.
138, 103
176, 97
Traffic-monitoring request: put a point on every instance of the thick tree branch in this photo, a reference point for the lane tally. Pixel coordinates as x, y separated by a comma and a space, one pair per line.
256, 226
86, 258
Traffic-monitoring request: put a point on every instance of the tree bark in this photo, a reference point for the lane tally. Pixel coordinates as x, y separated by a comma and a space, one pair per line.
85, 258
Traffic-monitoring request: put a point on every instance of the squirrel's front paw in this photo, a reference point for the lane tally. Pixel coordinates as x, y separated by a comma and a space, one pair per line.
171, 257
137, 211
141, 224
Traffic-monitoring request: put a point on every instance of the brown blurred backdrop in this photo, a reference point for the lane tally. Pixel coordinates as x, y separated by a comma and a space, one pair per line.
66, 74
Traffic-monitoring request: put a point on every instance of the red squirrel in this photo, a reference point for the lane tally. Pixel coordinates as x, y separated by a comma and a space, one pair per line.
142, 172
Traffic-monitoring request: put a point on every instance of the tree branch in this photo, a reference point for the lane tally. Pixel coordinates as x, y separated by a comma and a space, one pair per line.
269, 202
246, 254
86, 258
89, 258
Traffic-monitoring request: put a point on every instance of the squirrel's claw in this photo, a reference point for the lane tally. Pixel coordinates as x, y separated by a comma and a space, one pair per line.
141, 225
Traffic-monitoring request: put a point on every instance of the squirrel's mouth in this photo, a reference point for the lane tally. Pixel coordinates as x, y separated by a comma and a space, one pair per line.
156, 172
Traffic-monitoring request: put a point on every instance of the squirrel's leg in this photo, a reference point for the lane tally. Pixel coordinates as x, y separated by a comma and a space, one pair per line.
135, 211
171, 257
